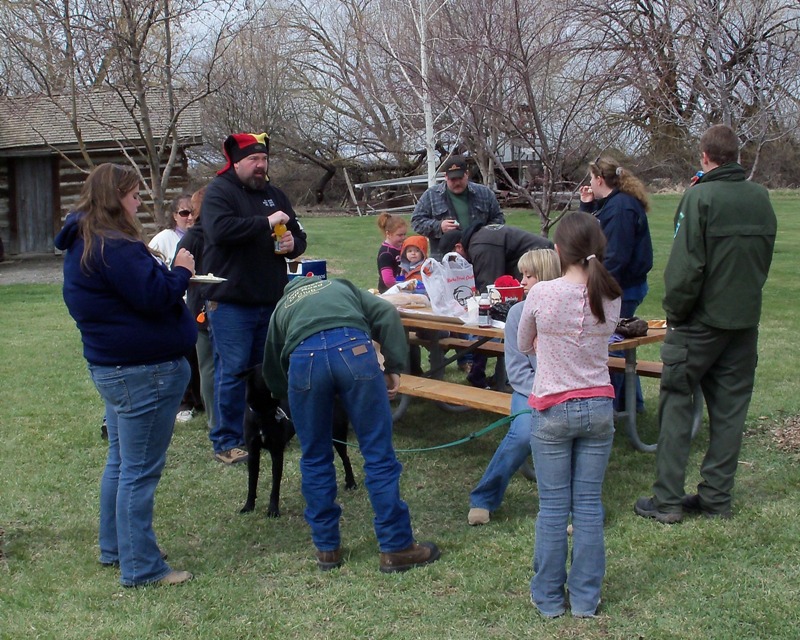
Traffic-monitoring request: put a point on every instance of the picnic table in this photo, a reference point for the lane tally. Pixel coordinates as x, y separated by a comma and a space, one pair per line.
441, 334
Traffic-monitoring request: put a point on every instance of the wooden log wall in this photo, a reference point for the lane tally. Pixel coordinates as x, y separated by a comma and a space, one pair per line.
71, 179
5, 206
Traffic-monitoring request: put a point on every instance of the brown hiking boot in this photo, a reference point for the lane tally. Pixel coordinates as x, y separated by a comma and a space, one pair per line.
415, 556
327, 560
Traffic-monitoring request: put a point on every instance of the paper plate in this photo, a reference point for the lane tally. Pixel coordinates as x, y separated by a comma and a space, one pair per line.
208, 278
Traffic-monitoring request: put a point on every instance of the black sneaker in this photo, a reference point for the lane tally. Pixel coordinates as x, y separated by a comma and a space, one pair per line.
691, 503
646, 508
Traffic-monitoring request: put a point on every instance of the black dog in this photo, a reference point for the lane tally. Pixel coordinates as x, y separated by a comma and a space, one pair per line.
267, 426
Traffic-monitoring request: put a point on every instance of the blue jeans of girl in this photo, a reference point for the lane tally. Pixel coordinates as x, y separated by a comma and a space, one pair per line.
343, 362
141, 403
571, 444
506, 461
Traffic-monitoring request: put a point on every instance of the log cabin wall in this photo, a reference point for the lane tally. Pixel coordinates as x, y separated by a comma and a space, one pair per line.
71, 174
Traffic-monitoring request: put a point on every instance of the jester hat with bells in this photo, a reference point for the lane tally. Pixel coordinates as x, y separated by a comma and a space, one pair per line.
240, 145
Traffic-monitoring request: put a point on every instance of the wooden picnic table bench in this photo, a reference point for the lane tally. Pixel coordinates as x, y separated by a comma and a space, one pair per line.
455, 393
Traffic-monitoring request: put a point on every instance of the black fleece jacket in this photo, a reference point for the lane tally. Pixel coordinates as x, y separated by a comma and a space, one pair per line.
239, 244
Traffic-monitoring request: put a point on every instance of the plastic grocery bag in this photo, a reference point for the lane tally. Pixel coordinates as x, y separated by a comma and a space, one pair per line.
449, 285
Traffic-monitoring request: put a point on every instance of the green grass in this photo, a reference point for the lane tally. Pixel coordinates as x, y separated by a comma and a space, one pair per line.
256, 578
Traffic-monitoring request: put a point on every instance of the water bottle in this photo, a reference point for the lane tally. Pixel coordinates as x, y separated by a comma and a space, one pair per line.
484, 319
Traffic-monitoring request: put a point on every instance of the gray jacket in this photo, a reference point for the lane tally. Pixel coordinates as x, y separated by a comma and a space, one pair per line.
520, 367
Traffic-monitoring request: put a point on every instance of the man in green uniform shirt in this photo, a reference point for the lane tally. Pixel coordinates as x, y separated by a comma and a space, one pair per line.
724, 237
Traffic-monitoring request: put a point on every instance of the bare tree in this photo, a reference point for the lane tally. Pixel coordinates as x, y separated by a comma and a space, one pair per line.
138, 50
534, 90
679, 65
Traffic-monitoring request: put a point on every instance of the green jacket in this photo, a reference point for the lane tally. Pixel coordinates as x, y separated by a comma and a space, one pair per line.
311, 305
724, 237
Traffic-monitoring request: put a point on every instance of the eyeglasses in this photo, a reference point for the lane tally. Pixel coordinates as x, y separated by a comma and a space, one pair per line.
185, 213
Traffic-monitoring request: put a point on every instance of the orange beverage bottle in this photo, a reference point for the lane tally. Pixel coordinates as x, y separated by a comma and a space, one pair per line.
279, 229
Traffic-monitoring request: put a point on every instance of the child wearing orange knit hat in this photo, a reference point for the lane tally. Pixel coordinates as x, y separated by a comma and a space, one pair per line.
412, 254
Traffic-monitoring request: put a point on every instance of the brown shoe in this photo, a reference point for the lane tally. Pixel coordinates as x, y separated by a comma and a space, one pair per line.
232, 456
327, 560
415, 556
175, 577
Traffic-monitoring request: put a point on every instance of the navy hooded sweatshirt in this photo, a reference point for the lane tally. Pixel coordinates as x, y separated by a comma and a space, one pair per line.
129, 307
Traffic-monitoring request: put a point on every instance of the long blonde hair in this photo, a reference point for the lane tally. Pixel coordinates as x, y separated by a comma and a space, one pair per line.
103, 216
618, 178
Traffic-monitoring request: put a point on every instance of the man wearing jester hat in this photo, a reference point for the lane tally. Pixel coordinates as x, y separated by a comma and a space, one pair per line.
240, 210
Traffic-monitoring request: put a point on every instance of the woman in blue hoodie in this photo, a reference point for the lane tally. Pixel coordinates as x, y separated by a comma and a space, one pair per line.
618, 199
136, 332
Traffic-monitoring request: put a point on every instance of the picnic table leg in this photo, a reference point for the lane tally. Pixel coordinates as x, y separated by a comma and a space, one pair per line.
438, 364
402, 405
630, 404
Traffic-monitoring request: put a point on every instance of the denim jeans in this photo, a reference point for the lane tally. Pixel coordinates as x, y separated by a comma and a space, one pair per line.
141, 403
343, 362
506, 461
627, 310
238, 333
571, 444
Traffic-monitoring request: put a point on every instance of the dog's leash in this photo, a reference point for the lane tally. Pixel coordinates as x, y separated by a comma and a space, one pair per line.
472, 436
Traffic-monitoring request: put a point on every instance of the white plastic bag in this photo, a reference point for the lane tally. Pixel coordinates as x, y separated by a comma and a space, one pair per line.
449, 285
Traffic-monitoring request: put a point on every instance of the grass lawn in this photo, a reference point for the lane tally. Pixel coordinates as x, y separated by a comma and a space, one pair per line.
256, 578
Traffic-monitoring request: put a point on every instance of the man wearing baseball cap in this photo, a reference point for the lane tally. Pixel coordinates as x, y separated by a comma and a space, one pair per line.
455, 203
240, 210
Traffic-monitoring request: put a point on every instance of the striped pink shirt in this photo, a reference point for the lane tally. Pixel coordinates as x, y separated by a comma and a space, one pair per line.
572, 346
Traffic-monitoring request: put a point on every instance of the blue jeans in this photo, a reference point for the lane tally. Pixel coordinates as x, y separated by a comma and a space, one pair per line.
627, 310
506, 461
238, 333
343, 362
571, 444
141, 403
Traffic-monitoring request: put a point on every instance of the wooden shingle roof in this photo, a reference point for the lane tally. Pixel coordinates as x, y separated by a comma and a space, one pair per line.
38, 123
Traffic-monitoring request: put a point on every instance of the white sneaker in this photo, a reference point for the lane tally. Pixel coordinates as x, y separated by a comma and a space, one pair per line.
184, 416
477, 516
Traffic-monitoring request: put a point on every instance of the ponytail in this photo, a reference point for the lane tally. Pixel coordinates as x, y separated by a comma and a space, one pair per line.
601, 286
389, 223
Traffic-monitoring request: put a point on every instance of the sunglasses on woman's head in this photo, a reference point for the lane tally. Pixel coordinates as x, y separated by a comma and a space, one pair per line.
185, 213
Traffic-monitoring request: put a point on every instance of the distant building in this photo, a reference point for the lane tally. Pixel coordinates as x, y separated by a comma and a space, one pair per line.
42, 167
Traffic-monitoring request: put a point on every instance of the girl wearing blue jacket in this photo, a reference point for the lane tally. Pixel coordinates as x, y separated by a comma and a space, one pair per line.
618, 199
